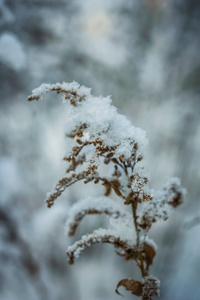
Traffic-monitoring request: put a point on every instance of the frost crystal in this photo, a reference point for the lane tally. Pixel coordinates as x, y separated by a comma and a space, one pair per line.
150, 288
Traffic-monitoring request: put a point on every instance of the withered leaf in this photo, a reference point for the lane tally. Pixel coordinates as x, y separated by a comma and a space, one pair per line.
109, 155
130, 285
108, 189
117, 191
130, 198
149, 254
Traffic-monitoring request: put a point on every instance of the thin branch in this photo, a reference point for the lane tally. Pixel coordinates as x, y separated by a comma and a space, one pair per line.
91, 206
141, 265
98, 236
61, 186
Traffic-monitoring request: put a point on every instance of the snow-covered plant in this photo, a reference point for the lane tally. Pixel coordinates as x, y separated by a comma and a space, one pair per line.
97, 136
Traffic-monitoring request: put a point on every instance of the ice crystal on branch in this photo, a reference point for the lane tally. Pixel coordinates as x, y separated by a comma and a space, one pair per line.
99, 136
159, 208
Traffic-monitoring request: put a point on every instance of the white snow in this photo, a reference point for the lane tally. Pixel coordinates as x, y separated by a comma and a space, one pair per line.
96, 237
120, 220
102, 120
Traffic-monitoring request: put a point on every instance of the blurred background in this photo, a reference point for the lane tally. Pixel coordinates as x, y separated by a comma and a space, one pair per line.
146, 55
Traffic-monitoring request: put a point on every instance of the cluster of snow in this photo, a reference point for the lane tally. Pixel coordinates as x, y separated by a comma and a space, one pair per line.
170, 189
140, 183
72, 87
98, 236
160, 207
120, 220
101, 118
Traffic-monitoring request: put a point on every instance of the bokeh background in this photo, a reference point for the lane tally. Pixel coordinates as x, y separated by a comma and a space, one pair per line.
146, 55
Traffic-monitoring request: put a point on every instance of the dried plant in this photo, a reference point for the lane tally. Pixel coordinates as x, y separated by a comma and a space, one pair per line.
98, 135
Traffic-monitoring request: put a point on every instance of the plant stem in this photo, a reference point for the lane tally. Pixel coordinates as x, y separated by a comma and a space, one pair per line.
134, 209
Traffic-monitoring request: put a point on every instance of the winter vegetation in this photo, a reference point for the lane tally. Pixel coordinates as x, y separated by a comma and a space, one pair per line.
98, 135
146, 55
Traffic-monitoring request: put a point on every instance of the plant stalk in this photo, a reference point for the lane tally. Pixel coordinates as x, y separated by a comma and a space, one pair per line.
134, 209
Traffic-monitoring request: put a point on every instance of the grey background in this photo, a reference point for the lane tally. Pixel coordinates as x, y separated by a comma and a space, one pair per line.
145, 54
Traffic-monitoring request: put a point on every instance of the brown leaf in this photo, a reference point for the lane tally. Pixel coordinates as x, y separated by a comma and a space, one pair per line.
130, 285
108, 189
149, 254
116, 187
109, 155
117, 191
130, 198
121, 158
177, 199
